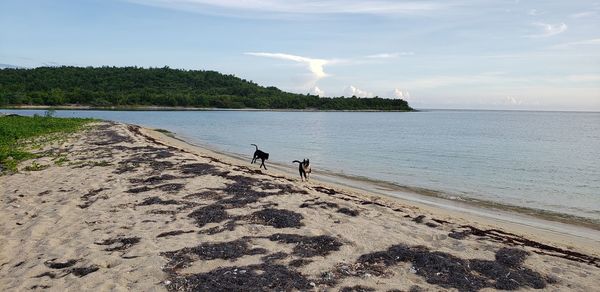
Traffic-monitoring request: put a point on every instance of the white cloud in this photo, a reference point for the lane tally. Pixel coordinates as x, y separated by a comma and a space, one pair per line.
353, 91
590, 42
390, 55
583, 14
534, 12
549, 30
398, 93
317, 91
315, 66
302, 7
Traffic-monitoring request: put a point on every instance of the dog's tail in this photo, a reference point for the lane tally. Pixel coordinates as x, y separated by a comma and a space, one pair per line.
254, 146
297, 161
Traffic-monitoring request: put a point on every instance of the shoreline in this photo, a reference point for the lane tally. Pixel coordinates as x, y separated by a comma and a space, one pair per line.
524, 224
129, 208
546, 219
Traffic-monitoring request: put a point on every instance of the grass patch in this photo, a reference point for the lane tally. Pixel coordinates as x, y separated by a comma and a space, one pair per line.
61, 160
36, 167
17, 132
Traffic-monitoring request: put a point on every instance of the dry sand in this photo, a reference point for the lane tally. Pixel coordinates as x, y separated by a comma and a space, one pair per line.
130, 209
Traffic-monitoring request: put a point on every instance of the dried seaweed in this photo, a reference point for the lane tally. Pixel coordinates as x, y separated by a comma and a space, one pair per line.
263, 277
52, 264
90, 198
278, 218
173, 233
82, 271
349, 212
198, 169
309, 246
214, 213
139, 190
158, 201
209, 251
274, 257
171, 188
153, 180
448, 271
121, 243
299, 262
357, 288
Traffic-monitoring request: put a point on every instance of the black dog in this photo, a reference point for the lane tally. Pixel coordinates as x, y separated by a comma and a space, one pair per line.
304, 168
260, 155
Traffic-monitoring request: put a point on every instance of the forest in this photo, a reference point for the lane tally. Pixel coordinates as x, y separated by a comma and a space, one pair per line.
136, 86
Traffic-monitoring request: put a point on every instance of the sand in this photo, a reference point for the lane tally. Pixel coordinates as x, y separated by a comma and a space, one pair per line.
130, 209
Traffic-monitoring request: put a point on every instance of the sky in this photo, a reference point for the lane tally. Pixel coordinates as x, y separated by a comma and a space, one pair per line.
472, 54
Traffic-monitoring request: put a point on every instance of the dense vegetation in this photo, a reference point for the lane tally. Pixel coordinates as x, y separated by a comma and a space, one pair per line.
16, 133
133, 86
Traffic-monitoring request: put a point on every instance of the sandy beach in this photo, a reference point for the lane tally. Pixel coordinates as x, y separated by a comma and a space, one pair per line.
124, 208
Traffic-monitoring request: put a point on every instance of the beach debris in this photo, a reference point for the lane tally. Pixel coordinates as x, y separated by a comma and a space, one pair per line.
153, 180
198, 169
459, 234
537, 247
449, 271
262, 277
299, 262
274, 257
158, 201
323, 205
431, 224
357, 288
83, 271
278, 218
139, 190
121, 243
308, 246
209, 251
349, 212
105, 135
326, 190
228, 226
205, 195
171, 188
53, 264
419, 219
214, 213
90, 198
511, 257
46, 274
173, 233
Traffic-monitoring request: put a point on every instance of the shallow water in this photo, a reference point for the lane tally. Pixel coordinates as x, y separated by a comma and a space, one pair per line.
540, 160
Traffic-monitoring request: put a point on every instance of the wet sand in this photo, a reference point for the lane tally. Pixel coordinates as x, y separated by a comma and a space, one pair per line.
132, 209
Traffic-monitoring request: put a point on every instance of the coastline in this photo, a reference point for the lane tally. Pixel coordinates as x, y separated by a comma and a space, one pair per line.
178, 108
534, 225
131, 208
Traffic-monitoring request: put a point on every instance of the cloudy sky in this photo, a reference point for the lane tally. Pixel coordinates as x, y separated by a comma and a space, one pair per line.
493, 54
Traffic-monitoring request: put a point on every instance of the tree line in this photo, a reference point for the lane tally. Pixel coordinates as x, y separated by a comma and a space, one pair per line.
136, 86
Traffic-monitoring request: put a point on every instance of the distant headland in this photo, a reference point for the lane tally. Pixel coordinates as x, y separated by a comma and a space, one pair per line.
130, 87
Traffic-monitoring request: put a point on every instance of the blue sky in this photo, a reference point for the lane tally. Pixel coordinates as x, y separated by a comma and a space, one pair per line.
490, 54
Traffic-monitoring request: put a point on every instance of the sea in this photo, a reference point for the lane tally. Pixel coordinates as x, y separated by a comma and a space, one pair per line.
537, 162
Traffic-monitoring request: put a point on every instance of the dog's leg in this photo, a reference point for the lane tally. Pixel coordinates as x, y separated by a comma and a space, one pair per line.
263, 164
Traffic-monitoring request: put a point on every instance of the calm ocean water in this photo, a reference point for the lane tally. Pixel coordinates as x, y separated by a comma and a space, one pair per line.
540, 160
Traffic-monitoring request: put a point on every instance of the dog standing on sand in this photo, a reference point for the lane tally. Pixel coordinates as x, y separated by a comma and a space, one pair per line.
304, 168
258, 154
